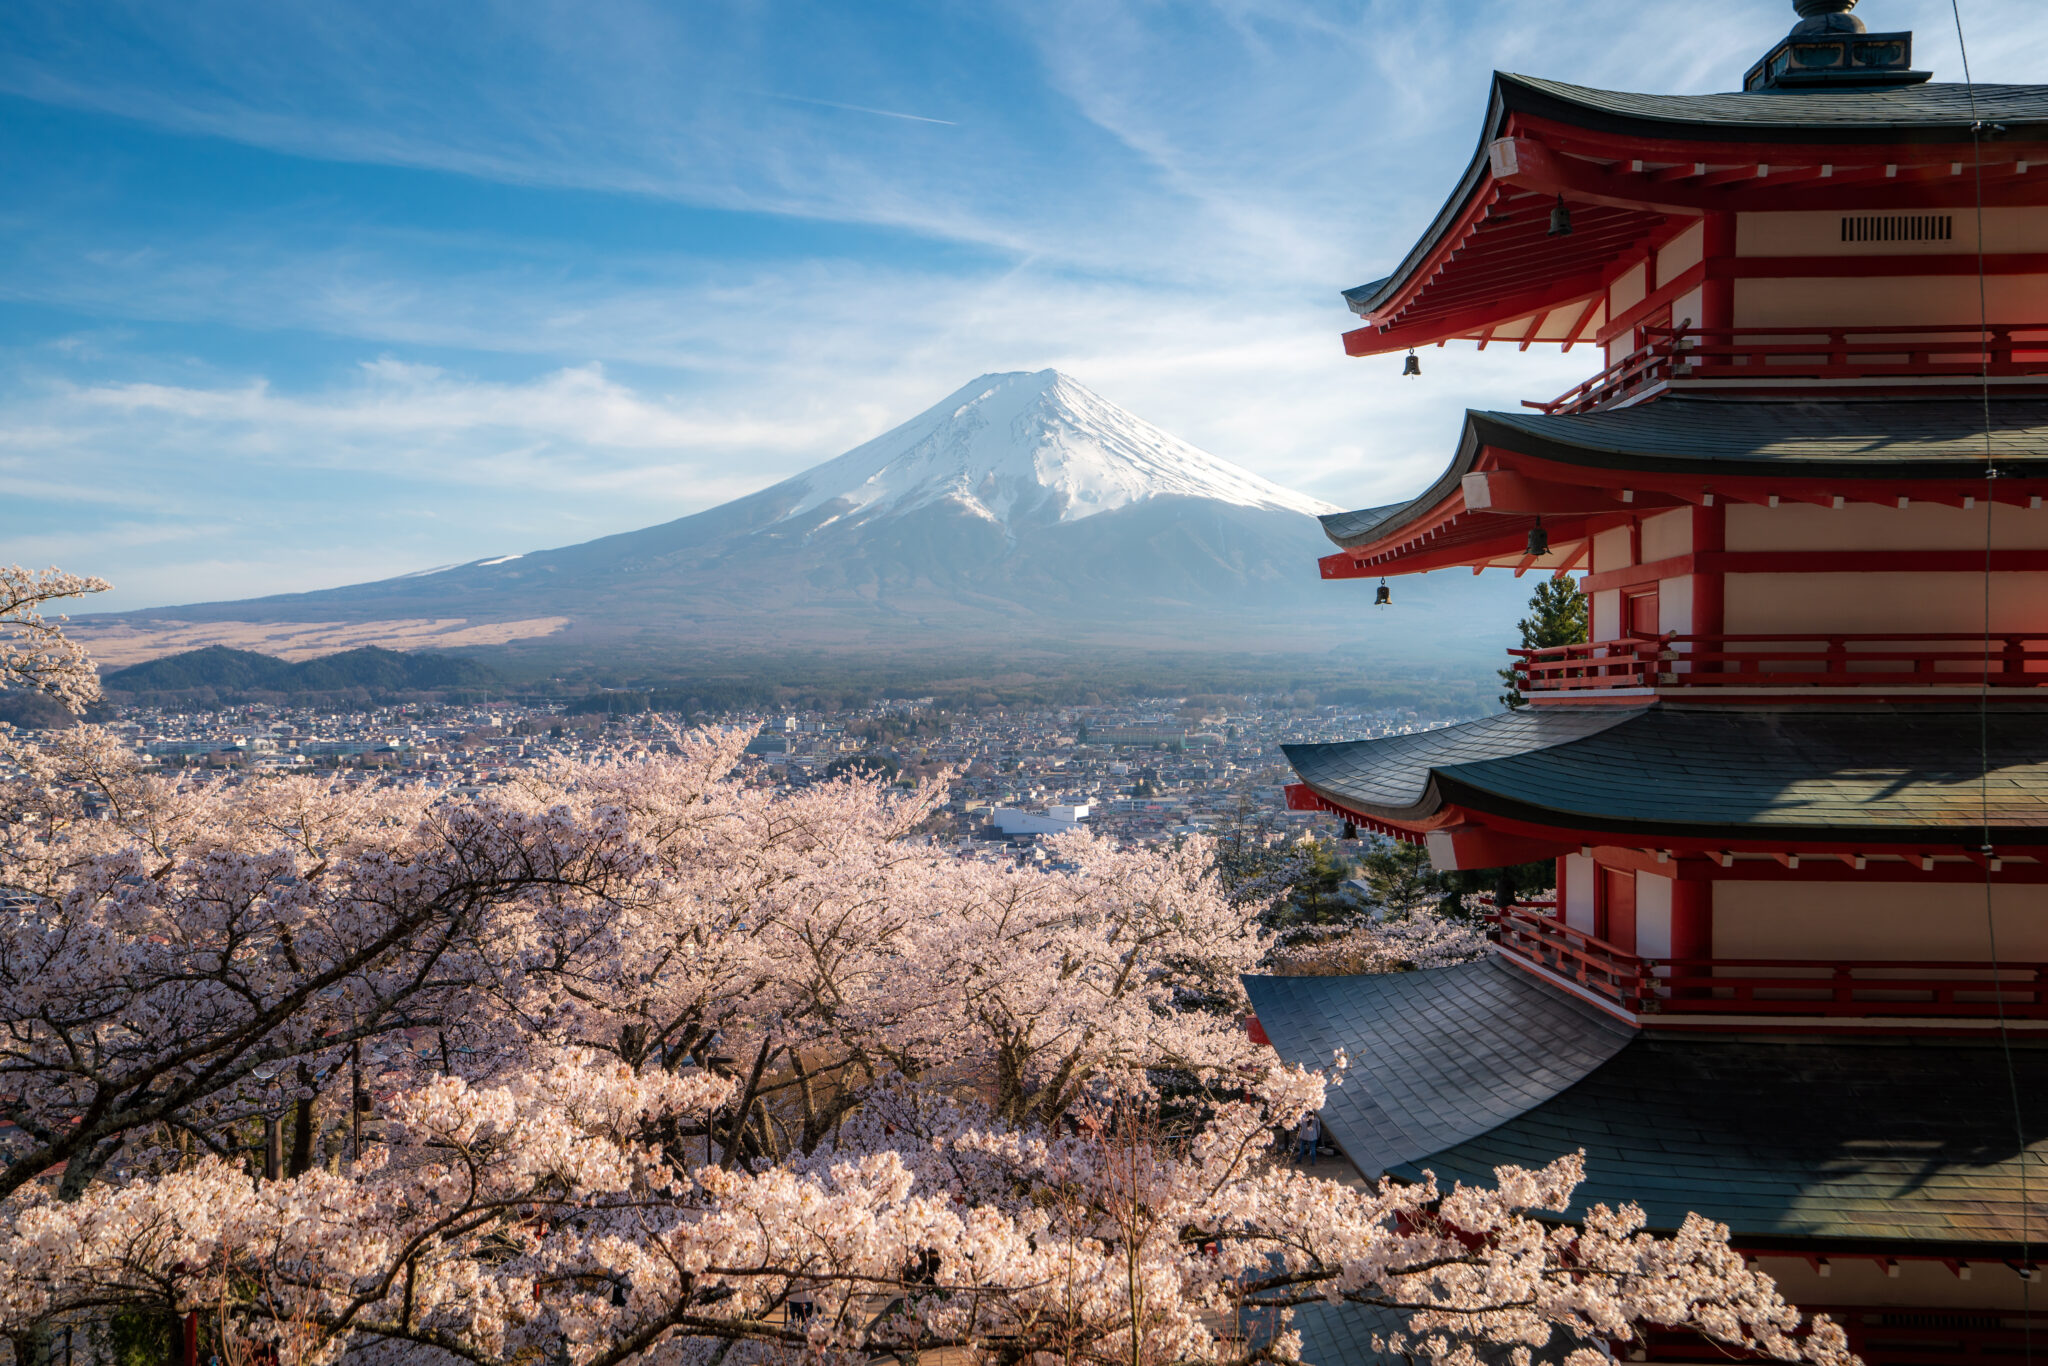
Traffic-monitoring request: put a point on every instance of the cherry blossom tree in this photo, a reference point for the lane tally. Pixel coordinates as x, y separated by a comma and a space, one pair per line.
34, 651
640, 1064
1425, 937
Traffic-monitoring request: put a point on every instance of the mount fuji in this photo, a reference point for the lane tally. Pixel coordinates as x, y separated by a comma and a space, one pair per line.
1022, 510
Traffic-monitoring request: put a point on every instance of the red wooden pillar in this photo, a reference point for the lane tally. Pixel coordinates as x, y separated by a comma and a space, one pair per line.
1709, 587
190, 1356
1692, 918
1617, 908
1717, 296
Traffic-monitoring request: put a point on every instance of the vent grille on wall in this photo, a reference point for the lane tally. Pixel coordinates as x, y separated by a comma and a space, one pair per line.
1899, 227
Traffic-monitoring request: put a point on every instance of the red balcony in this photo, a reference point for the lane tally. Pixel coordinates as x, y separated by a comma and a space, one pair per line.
1750, 357
1772, 987
1704, 663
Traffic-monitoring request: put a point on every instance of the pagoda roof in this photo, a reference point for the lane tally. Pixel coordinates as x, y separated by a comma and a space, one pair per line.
1905, 1144
1439, 1069
1637, 168
1869, 775
1931, 112
1695, 443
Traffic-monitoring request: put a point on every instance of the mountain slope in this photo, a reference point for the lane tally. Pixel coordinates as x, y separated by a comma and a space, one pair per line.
1021, 509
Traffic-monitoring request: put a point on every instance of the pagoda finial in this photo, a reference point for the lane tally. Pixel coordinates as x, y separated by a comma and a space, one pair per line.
1817, 17
1829, 48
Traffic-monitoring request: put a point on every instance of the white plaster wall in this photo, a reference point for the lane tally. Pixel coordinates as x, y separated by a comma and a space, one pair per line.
1820, 234
1876, 604
1879, 526
1682, 253
1687, 309
1905, 301
1578, 892
1674, 605
1666, 534
1606, 615
1836, 920
1557, 325
1611, 550
1628, 290
1653, 916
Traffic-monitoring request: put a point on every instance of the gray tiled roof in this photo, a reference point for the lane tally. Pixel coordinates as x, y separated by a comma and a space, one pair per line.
1350, 528
1836, 438
1813, 115
1888, 438
1392, 775
1436, 1057
1872, 774
1911, 1143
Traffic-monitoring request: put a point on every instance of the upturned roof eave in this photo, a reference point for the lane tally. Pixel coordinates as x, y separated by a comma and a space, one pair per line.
1363, 299
1350, 530
1679, 121
1445, 792
1489, 776
1370, 529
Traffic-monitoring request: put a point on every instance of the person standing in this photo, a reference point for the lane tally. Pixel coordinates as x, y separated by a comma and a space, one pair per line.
1307, 1135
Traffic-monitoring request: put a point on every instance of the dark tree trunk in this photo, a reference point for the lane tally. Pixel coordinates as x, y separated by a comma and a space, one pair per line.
305, 1125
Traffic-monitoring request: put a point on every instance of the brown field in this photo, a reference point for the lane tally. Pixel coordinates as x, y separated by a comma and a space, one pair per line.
118, 644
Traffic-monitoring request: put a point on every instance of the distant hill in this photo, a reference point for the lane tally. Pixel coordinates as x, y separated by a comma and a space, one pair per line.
238, 671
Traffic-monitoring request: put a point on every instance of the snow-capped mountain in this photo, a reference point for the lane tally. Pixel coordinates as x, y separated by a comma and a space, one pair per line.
1034, 447
1022, 510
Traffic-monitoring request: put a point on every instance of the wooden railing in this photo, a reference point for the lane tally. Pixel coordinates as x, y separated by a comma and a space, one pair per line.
1842, 660
1744, 355
1926, 989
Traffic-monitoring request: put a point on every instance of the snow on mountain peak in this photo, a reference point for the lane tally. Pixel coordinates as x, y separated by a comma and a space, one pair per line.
1038, 444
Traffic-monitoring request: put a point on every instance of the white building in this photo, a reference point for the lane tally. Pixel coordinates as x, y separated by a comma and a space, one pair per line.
1051, 821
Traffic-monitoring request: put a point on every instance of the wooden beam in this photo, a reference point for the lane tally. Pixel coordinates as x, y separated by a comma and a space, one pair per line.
1663, 296
1819, 562
1873, 267
1505, 491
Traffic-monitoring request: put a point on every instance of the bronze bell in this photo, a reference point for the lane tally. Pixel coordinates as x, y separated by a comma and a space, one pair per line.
1560, 219
1539, 540
1384, 597
1412, 366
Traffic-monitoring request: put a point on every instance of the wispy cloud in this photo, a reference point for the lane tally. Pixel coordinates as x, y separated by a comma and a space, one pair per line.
305, 294
863, 109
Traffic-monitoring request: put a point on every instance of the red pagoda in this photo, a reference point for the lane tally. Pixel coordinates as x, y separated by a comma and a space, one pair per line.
1796, 784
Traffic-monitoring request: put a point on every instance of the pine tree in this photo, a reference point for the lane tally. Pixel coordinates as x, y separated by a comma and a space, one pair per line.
1557, 616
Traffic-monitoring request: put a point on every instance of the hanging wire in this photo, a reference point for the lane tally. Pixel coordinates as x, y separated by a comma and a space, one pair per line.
1977, 130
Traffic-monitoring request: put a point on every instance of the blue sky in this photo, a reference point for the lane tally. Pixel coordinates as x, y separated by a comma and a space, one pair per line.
299, 294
